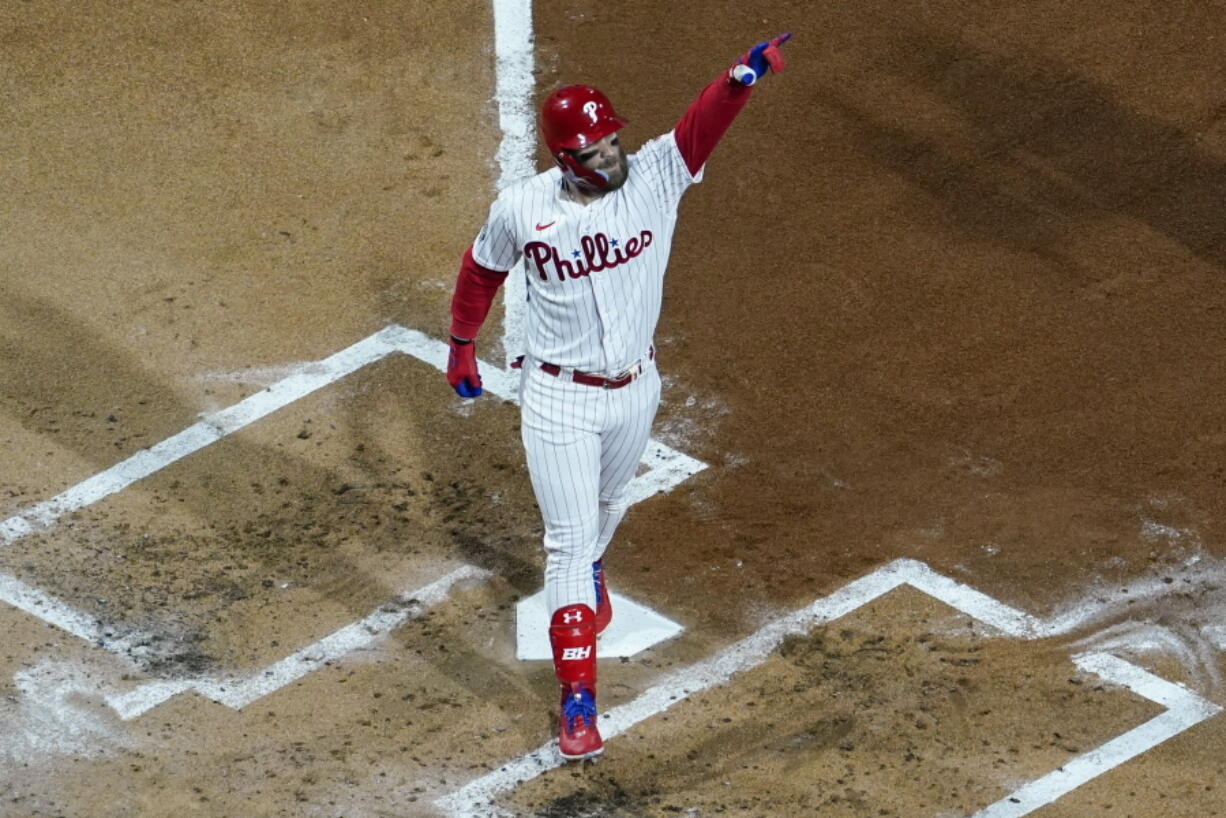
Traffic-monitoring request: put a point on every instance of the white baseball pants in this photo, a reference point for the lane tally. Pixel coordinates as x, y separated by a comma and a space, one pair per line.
583, 445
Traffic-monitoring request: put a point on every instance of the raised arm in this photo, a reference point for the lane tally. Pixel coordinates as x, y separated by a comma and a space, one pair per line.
707, 119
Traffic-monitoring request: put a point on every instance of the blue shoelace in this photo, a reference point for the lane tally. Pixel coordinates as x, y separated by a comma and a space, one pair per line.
579, 706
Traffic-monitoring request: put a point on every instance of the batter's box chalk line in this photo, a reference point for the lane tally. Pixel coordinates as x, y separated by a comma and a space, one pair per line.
664, 468
1184, 708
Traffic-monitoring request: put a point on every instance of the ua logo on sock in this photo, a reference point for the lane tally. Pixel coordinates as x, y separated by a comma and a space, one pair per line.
571, 617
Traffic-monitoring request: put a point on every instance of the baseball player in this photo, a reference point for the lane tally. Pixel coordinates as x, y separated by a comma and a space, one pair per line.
592, 238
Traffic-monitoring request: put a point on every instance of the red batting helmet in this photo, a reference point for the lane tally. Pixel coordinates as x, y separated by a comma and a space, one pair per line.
573, 117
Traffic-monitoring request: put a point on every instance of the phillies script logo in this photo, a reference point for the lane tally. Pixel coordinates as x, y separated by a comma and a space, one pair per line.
597, 253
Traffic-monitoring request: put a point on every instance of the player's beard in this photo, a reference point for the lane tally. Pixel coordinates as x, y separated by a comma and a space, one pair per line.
618, 174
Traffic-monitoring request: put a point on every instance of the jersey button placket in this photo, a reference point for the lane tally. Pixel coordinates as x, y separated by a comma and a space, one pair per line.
584, 222
606, 302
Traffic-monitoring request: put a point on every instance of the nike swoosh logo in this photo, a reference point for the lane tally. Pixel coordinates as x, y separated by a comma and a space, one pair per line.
546, 226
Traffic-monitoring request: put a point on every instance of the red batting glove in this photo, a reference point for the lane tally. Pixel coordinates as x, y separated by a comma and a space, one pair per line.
760, 59
462, 369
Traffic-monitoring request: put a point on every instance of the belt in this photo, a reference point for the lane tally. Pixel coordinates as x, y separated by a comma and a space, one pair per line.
624, 378
588, 379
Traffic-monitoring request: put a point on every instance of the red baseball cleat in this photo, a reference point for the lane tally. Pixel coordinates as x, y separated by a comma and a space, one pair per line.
604, 606
572, 634
578, 735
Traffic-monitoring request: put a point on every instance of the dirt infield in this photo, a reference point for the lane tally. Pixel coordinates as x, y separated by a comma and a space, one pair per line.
951, 292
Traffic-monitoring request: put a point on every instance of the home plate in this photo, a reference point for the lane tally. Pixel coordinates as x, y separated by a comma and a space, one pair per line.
634, 628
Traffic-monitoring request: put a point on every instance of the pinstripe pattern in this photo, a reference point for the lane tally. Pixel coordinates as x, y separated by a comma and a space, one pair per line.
600, 322
583, 445
595, 277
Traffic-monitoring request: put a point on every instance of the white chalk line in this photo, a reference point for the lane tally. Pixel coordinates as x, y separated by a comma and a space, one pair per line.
1184, 707
514, 82
52, 715
42, 606
238, 692
666, 467
211, 428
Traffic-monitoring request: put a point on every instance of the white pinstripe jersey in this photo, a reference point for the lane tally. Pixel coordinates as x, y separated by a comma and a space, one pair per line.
595, 272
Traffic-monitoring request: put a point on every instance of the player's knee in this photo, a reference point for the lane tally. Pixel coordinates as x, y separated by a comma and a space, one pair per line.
615, 504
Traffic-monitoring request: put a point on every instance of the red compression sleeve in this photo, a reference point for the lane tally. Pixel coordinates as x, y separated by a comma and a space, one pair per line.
475, 288
708, 117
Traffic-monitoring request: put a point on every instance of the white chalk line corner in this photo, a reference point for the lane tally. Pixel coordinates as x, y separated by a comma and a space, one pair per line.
1184, 708
664, 466
239, 691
